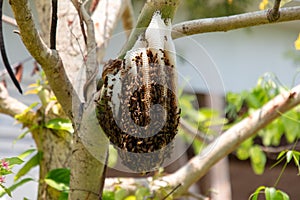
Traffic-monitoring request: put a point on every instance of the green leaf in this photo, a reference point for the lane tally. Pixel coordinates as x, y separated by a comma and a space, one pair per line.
5, 191
32, 162
291, 125
59, 179
120, 194
281, 154
15, 185
258, 159
254, 196
14, 161
63, 196
270, 193
283, 195
108, 195
22, 116
289, 156
26, 153
243, 150
60, 124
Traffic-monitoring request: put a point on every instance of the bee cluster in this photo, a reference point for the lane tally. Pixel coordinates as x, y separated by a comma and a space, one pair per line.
138, 107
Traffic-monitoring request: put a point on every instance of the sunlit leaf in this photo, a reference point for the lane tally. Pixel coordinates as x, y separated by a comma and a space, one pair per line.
281, 154
60, 124
270, 193
289, 156
254, 196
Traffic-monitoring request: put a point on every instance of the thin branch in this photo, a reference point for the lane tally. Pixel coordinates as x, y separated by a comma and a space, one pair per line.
198, 166
232, 22
276, 150
91, 59
274, 14
78, 6
47, 58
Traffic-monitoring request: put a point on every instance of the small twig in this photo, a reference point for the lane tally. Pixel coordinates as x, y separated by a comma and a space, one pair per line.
53, 25
91, 63
276, 150
274, 14
79, 11
172, 191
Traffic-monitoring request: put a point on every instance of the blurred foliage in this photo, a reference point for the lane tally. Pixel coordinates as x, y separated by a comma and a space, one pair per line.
285, 129
207, 8
270, 193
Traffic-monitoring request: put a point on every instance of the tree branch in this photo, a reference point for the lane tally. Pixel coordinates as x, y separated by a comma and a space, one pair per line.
232, 22
8, 105
47, 58
198, 166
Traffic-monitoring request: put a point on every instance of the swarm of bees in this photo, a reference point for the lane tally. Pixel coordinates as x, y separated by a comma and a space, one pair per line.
138, 107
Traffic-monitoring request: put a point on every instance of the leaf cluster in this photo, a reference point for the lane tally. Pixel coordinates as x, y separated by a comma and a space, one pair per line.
285, 129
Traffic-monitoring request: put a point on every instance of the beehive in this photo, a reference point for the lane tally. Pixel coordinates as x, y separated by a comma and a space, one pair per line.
138, 107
